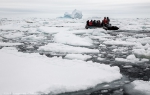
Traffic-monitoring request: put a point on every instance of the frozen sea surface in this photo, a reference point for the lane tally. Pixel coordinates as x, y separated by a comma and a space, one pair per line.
60, 56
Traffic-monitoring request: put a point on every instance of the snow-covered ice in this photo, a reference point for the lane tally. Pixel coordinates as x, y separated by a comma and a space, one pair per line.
33, 38
10, 27
66, 49
138, 87
12, 34
78, 56
80, 32
140, 46
143, 53
144, 40
52, 30
72, 39
132, 59
34, 73
123, 43
9, 44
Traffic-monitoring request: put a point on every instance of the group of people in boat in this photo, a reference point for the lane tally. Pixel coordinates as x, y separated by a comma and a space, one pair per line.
105, 23
98, 23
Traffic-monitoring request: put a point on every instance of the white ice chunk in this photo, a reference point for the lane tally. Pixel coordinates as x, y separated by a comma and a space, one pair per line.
10, 27
101, 38
89, 31
33, 37
99, 32
140, 35
117, 42
32, 73
32, 30
72, 39
144, 40
140, 46
142, 53
78, 56
138, 87
9, 44
132, 59
61, 48
12, 35
52, 30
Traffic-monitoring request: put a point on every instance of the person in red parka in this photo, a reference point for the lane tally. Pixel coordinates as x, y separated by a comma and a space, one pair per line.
91, 23
104, 21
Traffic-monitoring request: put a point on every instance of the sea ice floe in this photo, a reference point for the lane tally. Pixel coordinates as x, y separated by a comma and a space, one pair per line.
10, 27
138, 87
144, 40
33, 38
66, 49
78, 56
32, 31
140, 46
33, 73
81, 31
142, 53
122, 43
72, 39
13, 35
131, 59
52, 30
102, 38
9, 44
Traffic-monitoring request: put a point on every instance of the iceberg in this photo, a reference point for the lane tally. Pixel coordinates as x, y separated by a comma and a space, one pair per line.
67, 15
76, 14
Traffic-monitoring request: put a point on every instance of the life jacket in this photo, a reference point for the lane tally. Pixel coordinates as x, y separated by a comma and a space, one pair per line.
90, 23
105, 21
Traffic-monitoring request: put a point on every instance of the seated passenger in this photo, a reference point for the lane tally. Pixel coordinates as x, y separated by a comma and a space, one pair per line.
87, 23
94, 23
104, 21
91, 23
108, 20
98, 23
